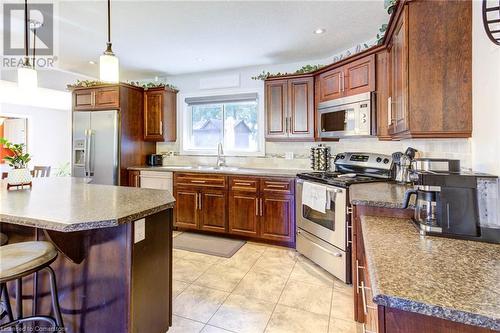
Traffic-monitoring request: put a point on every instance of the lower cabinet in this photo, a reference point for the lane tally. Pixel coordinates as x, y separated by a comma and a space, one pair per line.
253, 207
212, 210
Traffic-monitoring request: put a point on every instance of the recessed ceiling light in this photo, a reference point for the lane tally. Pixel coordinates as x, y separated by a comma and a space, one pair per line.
319, 31
92, 62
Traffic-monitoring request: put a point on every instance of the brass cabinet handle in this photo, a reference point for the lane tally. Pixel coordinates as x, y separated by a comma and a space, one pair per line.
363, 297
242, 184
198, 181
196, 201
256, 206
276, 186
199, 196
261, 209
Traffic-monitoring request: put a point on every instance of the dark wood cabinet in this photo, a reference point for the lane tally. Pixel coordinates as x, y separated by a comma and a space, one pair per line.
262, 207
431, 54
382, 92
259, 208
353, 78
212, 207
107, 97
290, 109
243, 213
160, 114
186, 207
276, 220
134, 178
201, 202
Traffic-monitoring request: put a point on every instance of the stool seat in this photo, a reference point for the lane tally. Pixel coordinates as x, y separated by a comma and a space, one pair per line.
19, 258
3, 239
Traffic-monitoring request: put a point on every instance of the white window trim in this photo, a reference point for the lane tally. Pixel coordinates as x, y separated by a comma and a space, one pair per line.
184, 119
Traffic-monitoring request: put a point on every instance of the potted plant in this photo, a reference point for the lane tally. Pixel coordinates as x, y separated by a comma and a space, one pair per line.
20, 174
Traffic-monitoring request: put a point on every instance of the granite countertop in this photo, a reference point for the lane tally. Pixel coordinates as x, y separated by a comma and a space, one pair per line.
70, 204
223, 170
380, 194
448, 278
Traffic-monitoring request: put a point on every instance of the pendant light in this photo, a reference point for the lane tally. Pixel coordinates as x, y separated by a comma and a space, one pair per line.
27, 77
108, 62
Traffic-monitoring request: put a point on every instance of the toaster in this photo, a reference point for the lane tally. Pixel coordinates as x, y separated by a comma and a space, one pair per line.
154, 160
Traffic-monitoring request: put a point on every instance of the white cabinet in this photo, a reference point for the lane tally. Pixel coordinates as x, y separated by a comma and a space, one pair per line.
158, 180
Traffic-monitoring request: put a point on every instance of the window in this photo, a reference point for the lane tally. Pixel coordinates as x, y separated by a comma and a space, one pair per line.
231, 120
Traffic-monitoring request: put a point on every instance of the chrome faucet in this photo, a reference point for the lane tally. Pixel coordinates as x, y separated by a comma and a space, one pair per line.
221, 160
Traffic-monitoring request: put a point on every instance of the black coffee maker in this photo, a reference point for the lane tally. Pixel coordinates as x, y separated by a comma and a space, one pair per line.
457, 205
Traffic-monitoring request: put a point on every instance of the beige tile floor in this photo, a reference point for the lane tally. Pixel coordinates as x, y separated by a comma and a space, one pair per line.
261, 288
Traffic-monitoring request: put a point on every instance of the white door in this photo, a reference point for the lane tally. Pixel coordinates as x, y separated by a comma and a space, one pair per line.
15, 130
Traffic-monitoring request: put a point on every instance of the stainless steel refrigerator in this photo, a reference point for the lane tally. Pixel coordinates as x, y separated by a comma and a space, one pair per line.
96, 146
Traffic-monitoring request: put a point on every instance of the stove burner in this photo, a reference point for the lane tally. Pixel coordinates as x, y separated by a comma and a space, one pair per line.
337, 178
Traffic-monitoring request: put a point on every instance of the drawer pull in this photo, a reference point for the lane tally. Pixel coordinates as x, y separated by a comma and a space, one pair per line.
322, 248
276, 186
198, 181
363, 297
257, 206
242, 184
357, 275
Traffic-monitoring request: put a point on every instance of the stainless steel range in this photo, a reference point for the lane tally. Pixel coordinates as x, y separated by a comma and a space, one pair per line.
324, 235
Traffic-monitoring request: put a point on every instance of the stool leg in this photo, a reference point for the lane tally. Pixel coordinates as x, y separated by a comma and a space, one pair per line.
55, 297
19, 302
5, 294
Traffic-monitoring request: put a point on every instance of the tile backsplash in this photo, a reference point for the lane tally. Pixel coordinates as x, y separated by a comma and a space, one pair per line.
275, 152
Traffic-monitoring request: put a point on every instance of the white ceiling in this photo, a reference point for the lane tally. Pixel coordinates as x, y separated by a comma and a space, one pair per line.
177, 37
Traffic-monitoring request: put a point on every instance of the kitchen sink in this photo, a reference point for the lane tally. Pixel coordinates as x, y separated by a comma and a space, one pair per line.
221, 168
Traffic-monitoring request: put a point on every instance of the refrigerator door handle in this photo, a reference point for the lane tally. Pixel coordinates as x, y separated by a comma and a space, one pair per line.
91, 154
86, 156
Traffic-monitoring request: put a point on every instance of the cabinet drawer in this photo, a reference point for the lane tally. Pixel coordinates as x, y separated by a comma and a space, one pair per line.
107, 97
278, 185
203, 180
245, 184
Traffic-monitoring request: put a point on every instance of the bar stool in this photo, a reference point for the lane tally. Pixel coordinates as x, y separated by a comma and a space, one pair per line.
22, 259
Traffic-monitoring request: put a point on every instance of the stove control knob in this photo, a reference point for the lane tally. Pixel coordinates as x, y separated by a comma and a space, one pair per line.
341, 157
386, 160
379, 159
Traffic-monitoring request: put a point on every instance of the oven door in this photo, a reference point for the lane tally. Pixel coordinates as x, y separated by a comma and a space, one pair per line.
329, 226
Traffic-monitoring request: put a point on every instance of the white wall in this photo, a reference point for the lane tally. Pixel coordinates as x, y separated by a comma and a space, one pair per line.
49, 121
485, 97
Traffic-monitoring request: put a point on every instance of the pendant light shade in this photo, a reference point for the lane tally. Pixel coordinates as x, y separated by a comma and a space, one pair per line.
109, 67
27, 77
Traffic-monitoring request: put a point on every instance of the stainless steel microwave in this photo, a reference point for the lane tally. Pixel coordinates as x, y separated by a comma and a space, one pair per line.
347, 116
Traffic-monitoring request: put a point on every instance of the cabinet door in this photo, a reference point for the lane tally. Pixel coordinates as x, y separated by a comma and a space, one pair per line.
330, 84
301, 108
212, 207
359, 76
277, 218
384, 118
153, 116
276, 109
186, 208
243, 213
399, 67
107, 98
83, 99
134, 179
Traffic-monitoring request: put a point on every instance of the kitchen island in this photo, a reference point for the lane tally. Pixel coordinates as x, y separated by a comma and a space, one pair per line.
114, 270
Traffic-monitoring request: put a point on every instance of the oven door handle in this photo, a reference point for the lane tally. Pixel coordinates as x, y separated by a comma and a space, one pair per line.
335, 254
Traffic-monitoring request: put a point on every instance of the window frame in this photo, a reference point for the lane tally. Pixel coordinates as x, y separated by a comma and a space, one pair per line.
185, 126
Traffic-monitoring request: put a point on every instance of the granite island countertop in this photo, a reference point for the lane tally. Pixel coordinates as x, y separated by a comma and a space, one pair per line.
380, 194
70, 204
223, 170
451, 279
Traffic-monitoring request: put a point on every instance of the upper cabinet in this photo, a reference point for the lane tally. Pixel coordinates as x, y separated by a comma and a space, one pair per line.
160, 114
290, 109
351, 79
96, 98
431, 70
